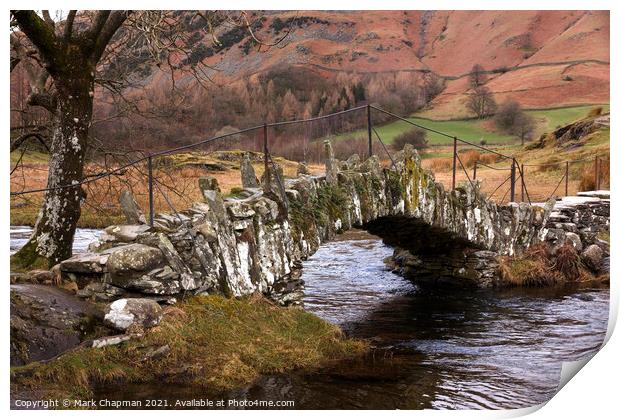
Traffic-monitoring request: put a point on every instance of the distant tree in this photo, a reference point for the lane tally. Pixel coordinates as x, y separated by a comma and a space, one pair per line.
433, 85
480, 102
415, 137
506, 115
477, 76
359, 92
510, 118
524, 127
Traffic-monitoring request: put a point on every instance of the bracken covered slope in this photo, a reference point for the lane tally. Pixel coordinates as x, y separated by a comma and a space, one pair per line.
541, 58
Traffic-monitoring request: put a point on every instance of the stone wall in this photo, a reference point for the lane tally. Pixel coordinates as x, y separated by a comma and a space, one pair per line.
256, 242
578, 220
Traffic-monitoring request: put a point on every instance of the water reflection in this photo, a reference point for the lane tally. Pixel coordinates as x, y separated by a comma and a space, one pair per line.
490, 349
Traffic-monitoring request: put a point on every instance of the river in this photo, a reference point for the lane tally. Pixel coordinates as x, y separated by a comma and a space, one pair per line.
83, 237
445, 349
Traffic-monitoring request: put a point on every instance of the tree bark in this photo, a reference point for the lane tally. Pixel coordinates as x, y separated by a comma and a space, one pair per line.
52, 238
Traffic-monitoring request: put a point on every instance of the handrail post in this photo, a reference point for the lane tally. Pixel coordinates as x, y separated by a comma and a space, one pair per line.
566, 180
454, 166
522, 182
369, 124
475, 169
512, 181
151, 202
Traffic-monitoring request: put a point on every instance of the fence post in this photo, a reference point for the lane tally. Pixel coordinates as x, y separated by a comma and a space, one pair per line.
475, 169
566, 180
265, 158
522, 182
151, 203
454, 166
369, 124
512, 180
596, 173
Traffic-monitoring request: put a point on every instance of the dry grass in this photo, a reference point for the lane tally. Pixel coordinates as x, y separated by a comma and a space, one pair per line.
588, 176
567, 262
538, 268
177, 186
438, 165
216, 344
468, 157
533, 269
595, 112
550, 165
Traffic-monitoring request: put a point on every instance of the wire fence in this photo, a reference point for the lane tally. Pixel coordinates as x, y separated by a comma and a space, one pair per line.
168, 178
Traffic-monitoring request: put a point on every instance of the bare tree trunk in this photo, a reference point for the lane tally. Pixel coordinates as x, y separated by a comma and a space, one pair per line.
52, 239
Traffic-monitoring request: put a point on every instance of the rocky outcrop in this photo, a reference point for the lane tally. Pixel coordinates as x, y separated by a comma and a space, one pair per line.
238, 246
46, 321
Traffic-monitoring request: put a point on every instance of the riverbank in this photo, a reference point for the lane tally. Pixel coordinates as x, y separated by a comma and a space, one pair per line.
212, 343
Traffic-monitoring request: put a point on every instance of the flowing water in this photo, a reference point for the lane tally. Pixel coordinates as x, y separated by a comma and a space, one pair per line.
450, 349
83, 237
436, 349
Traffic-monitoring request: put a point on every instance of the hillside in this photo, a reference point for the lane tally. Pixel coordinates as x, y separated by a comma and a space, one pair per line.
404, 61
543, 59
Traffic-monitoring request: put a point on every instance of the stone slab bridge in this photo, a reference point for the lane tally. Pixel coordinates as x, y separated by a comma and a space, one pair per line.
257, 241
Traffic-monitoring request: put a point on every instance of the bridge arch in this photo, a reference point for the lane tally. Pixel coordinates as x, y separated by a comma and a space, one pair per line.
257, 243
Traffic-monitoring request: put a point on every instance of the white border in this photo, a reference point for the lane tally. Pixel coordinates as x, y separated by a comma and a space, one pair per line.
592, 393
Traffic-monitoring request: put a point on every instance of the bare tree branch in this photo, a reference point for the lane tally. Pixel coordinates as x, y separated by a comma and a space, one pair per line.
42, 36
68, 28
112, 24
48, 19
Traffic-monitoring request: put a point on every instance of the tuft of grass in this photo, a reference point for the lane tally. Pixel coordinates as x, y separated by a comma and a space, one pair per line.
468, 157
215, 343
537, 268
587, 181
595, 112
530, 270
567, 262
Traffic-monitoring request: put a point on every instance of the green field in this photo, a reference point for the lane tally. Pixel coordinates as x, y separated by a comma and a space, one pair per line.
550, 119
475, 130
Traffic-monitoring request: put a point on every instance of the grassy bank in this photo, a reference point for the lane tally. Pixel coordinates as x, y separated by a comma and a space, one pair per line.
215, 344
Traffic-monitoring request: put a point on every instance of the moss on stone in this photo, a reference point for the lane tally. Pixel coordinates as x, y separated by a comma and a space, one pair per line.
27, 258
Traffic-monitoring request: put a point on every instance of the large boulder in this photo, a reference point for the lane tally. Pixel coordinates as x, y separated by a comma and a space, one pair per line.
131, 261
85, 263
46, 320
133, 312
